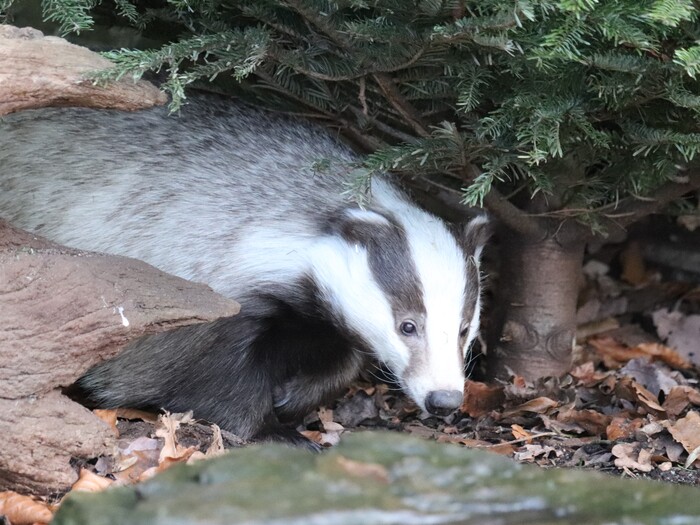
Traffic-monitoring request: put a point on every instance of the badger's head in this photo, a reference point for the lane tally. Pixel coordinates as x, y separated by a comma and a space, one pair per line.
410, 289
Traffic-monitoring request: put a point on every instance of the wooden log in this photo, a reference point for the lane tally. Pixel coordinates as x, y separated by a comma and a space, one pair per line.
38, 71
61, 312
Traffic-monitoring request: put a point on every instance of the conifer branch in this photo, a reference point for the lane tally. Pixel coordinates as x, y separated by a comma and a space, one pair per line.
609, 84
352, 76
321, 23
405, 109
632, 209
272, 85
512, 216
384, 127
505, 211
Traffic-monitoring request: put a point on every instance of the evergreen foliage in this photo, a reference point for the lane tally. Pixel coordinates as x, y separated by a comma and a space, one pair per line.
583, 102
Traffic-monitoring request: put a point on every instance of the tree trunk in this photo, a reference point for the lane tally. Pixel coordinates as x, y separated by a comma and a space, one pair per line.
533, 326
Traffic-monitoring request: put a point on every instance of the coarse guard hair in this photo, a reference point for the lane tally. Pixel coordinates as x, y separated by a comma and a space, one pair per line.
226, 194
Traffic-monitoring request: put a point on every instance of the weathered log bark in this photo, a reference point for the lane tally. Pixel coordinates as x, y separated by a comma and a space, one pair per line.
61, 312
534, 319
38, 71
40, 435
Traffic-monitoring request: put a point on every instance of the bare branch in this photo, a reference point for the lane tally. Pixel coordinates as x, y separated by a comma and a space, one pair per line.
397, 100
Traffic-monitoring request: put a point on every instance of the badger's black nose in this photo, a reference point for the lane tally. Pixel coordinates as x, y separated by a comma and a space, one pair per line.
442, 402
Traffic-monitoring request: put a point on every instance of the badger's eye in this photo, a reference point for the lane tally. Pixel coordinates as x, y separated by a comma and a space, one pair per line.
464, 332
408, 328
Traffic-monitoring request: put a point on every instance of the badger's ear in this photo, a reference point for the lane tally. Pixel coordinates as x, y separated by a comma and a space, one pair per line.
476, 234
359, 226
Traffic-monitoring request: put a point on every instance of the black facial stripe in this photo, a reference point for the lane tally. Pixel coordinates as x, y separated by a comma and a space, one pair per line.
392, 266
471, 290
472, 237
389, 258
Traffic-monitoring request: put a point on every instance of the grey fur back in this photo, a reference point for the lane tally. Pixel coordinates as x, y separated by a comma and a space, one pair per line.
150, 162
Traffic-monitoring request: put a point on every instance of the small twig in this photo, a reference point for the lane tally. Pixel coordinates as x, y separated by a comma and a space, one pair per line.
385, 128
520, 440
397, 100
362, 97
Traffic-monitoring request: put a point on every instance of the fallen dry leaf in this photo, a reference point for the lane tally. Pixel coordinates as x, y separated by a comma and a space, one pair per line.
673, 450
360, 469
665, 466
502, 449
313, 435
680, 331
140, 455
23, 510
607, 385
613, 353
628, 457
648, 400
686, 431
591, 421
132, 413
325, 415
583, 458
108, 416
481, 398
90, 482
520, 433
692, 457
560, 427
462, 440
520, 382
328, 438
651, 375
419, 429
196, 456
666, 354
539, 405
216, 448
622, 428
172, 452
331, 433
627, 388
587, 375
616, 354
130, 468
679, 398
184, 454
652, 428
532, 452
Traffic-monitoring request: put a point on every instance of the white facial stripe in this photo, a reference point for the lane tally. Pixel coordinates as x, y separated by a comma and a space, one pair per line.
441, 267
367, 216
257, 258
344, 277
474, 325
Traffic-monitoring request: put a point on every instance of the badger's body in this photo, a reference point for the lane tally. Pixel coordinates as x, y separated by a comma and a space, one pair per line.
225, 194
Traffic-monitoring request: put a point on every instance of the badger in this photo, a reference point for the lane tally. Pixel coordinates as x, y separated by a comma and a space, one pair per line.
232, 196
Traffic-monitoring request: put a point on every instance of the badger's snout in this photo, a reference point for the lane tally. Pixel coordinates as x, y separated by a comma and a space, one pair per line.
442, 402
